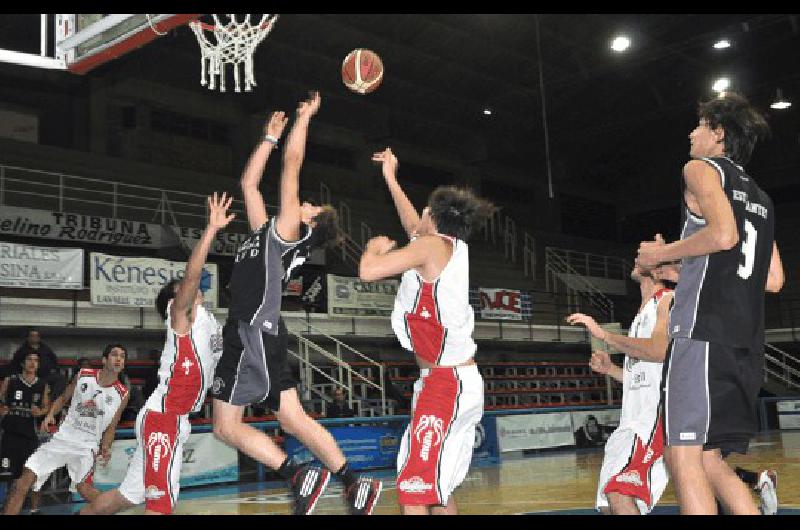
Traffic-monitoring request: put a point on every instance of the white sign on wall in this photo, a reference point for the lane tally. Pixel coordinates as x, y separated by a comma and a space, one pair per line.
135, 282
788, 414
534, 431
33, 267
205, 460
349, 297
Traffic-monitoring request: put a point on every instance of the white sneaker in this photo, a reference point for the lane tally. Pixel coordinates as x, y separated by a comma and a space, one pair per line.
768, 491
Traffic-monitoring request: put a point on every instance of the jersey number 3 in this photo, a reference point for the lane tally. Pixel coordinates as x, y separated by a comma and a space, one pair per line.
748, 249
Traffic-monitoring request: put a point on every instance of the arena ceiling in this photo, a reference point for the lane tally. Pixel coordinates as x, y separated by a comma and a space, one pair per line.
611, 118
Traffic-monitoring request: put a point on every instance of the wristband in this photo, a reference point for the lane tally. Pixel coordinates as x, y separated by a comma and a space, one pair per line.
271, 139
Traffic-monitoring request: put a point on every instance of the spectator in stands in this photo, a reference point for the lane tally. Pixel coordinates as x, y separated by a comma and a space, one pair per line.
339, 407
591, 433
393, 392
48, 362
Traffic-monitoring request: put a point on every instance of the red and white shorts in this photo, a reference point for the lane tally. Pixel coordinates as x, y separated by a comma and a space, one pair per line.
436, 449
634, 466
154, 473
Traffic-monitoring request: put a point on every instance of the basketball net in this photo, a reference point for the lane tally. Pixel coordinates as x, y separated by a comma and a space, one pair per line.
234, 44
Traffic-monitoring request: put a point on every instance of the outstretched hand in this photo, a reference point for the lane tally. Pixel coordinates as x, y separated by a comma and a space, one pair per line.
388, 163
218, 217
310, 106
275, 124
591, 325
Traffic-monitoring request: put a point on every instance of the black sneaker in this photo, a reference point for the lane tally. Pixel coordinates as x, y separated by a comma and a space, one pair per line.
363, 495
307, 486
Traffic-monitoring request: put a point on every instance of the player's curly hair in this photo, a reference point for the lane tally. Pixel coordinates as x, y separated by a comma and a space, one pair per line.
456, 211
326, 228
110, 347
742, 123
166, 294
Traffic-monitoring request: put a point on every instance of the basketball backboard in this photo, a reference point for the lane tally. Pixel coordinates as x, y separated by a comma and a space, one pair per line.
82, 42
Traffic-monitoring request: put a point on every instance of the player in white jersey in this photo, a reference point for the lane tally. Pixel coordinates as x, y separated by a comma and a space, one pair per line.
433, 319
192, 348
633, 475
98, 399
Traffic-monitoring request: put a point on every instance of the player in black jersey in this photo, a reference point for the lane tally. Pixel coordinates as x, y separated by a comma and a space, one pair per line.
712, 374
24, 397
254, 366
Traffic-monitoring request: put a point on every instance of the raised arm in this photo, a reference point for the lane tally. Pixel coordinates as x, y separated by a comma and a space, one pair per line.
254, 170
653, 349
720, 232
186, 292
288, 222
380, 261
775, 277
408, 214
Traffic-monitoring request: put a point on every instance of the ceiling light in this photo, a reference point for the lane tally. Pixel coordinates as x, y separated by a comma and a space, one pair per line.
487, 112
721, 84
722, 44
620, 44
780, 102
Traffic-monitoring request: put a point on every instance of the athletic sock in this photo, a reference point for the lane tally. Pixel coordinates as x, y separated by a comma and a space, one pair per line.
346, 475
748, 477
287, 469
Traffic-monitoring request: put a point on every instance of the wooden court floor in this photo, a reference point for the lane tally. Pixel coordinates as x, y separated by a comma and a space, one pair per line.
565, 482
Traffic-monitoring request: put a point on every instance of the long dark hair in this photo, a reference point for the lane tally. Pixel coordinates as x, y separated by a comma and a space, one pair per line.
456, 211
742, 123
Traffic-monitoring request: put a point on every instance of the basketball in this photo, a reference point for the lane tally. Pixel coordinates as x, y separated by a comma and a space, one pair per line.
362, 71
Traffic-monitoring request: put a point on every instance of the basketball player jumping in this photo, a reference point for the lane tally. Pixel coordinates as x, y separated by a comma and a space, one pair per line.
714, 365
633, 475
254, 365
24, 399
191, 350
433, 319
97, 401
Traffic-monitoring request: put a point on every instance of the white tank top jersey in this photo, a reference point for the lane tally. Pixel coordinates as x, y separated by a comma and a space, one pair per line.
92, 408
435, 319
641, 380
187, 365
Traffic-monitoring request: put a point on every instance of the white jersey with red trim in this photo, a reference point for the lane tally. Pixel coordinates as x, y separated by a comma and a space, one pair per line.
641, 380
435, 319
187, 365
92, 408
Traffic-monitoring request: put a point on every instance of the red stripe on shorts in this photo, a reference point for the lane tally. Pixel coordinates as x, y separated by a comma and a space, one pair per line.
160, 439
417, 483
634, 479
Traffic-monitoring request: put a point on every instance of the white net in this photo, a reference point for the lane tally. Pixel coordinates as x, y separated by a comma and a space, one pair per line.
234, 43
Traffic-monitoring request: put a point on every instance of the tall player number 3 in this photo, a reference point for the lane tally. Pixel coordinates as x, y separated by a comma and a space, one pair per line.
748, 249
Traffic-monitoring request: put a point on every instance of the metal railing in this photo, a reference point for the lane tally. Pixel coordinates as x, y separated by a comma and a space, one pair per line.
556, 269
588, 264
345, 372
782, 366
62, 192
529, 256
510, 239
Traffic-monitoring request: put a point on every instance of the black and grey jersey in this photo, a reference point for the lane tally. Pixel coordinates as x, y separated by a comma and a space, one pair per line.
21, 396
263, 266
720, 296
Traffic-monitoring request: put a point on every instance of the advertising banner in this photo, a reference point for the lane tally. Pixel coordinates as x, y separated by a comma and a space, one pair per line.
365, 447
500, 304
349, 297
534, 431
80, 228
135, 282
206, 460
485, 449
788, 414
32, 267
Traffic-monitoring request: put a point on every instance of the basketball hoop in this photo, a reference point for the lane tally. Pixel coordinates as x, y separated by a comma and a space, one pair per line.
235, 43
